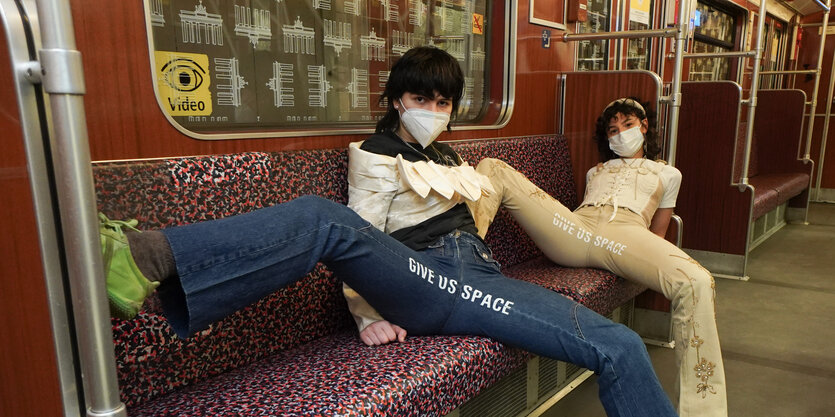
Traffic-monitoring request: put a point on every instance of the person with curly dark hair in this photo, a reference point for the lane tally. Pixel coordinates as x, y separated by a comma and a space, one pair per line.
620, 226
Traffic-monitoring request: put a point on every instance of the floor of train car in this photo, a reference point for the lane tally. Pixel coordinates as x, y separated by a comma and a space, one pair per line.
776, 330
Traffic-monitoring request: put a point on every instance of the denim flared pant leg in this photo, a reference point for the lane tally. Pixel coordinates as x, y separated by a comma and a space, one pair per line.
452, 288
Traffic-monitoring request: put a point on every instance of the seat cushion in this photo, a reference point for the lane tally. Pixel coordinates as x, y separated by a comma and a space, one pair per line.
339, 375
765, 200
786, 185
597, 289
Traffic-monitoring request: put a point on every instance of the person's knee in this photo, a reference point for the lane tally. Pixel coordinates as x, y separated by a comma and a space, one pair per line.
704, 288
320, 208
702, 280
490, 164
629, 342
318, 204
485, 164
610, 339
313, 201
622, 346
697, 283
323, 210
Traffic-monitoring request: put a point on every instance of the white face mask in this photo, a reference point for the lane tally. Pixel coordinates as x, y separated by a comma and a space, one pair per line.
423, 125
628, 142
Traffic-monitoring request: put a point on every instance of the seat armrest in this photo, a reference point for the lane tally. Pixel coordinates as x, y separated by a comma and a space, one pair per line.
679, 228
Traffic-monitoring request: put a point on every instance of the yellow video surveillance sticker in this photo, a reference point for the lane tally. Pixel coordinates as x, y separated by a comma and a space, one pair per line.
183, 83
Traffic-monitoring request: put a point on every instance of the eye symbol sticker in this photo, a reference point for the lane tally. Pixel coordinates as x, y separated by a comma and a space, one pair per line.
183, 74
183, 82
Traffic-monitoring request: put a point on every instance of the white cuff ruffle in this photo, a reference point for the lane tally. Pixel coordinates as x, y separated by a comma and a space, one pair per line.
374, 172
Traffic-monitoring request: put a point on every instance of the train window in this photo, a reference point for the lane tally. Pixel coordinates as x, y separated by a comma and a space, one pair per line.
594, 55
714, 32
269, 68
638, 50
774, 55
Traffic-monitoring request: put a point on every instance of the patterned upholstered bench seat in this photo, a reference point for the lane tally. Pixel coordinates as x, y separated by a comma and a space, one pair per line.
297, 351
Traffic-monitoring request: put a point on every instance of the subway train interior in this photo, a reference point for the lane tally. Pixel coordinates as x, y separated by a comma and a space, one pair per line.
174, 112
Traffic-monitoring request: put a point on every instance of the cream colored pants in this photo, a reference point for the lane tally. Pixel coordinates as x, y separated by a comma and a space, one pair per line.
624, 246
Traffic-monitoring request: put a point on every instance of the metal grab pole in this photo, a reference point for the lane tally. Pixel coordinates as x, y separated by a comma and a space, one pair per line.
675, 93
630, 34
63, 80
825, 133
752, 97
810, 128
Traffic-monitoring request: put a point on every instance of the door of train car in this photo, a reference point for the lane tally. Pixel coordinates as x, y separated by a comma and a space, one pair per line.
821, 148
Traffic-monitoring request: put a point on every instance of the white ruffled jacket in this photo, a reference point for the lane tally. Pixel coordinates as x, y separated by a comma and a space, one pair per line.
392, 193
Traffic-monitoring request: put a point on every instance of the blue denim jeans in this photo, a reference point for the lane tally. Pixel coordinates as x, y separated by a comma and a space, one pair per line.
453, 288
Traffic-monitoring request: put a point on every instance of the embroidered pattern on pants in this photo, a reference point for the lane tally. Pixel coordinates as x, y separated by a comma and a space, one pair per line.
704, 368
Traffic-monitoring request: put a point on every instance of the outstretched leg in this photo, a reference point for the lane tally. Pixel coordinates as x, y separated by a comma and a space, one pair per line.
627, 248
544, 322
226, 264
559, 233
646, 258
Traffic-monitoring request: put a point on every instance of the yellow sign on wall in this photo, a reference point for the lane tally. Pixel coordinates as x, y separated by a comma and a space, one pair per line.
183, 82
639, 11
478, 24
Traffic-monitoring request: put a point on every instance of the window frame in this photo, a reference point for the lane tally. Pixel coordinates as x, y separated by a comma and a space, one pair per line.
499, 112
710, 42
606, 44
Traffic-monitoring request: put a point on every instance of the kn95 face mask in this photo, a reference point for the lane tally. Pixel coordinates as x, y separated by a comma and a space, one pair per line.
423, 125
627, 143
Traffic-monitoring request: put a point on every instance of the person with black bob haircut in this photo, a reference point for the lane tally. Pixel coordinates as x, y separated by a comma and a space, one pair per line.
409, 246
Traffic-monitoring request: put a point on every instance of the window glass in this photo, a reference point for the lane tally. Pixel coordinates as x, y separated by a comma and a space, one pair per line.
715, 24
709, 69
638, 50
594, 55
714, 32
773, 56
311, 65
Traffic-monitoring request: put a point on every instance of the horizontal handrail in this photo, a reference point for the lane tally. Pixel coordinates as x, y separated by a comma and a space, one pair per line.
814, 71
732, 54
630, 34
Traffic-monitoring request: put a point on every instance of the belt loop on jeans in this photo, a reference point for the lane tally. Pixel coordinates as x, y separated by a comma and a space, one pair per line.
457, 233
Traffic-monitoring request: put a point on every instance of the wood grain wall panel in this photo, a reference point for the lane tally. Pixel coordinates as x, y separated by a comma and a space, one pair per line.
586, 95
715, 213
28, 371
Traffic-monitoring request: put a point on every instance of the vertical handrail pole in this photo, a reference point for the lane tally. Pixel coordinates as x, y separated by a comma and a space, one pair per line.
825, 133
675, 93
63, 80
752, 96
814, 98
